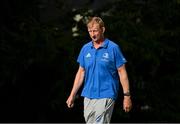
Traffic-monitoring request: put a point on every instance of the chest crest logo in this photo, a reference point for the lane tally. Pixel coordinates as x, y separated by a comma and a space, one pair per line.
106, 55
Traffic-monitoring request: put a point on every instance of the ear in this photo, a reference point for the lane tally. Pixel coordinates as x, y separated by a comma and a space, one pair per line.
103, 29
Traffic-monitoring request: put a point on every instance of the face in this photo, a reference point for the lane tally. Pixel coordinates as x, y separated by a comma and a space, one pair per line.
96, 33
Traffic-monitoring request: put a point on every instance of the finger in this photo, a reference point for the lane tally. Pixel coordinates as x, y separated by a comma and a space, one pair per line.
70, 105
127, 109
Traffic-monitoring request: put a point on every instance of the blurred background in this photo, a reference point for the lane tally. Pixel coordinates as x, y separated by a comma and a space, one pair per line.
41, 39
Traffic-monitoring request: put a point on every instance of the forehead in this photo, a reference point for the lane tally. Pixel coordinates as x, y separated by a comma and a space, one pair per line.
93, 25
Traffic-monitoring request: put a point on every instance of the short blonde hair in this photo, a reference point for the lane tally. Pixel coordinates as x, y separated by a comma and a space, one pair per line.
93, 20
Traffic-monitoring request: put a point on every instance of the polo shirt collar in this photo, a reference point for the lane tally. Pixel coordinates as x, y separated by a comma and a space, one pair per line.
104, 45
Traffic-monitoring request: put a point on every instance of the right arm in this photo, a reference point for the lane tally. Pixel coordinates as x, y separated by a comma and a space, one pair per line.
77, 84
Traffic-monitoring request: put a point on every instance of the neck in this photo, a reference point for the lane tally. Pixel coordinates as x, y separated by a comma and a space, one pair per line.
98, 43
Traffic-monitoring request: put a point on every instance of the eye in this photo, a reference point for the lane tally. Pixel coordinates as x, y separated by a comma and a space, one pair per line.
93, 30
96, 30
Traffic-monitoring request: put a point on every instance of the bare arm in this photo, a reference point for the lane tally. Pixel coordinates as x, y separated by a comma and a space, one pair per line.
77, 84
127, 104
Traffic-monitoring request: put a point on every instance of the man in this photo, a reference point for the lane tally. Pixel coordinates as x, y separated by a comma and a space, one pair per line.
101, 68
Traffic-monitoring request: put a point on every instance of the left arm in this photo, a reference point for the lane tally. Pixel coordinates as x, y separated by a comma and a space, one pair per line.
127, 104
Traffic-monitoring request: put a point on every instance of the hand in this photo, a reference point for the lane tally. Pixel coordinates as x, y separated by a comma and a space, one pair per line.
70, 102
127, 104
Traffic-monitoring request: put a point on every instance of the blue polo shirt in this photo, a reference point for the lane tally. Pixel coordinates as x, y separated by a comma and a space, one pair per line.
101, 75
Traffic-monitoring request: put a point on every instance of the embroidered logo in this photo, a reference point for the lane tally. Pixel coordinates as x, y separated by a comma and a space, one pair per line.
106, 55
88, 55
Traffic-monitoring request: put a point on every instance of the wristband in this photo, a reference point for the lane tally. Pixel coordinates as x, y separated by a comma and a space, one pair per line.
127, 94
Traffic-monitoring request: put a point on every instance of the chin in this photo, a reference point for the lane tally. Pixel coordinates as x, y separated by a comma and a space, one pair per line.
95, 39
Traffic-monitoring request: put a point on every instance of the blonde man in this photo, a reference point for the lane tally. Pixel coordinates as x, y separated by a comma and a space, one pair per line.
102, 69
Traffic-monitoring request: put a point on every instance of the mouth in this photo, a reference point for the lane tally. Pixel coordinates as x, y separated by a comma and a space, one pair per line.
94, 37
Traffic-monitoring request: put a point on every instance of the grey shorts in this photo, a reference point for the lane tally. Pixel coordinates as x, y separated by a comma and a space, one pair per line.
98, 110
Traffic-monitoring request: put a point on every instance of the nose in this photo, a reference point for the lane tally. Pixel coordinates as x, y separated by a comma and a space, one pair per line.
92, 32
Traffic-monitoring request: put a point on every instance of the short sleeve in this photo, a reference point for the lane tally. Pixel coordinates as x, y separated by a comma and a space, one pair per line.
119, 58
80, 58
